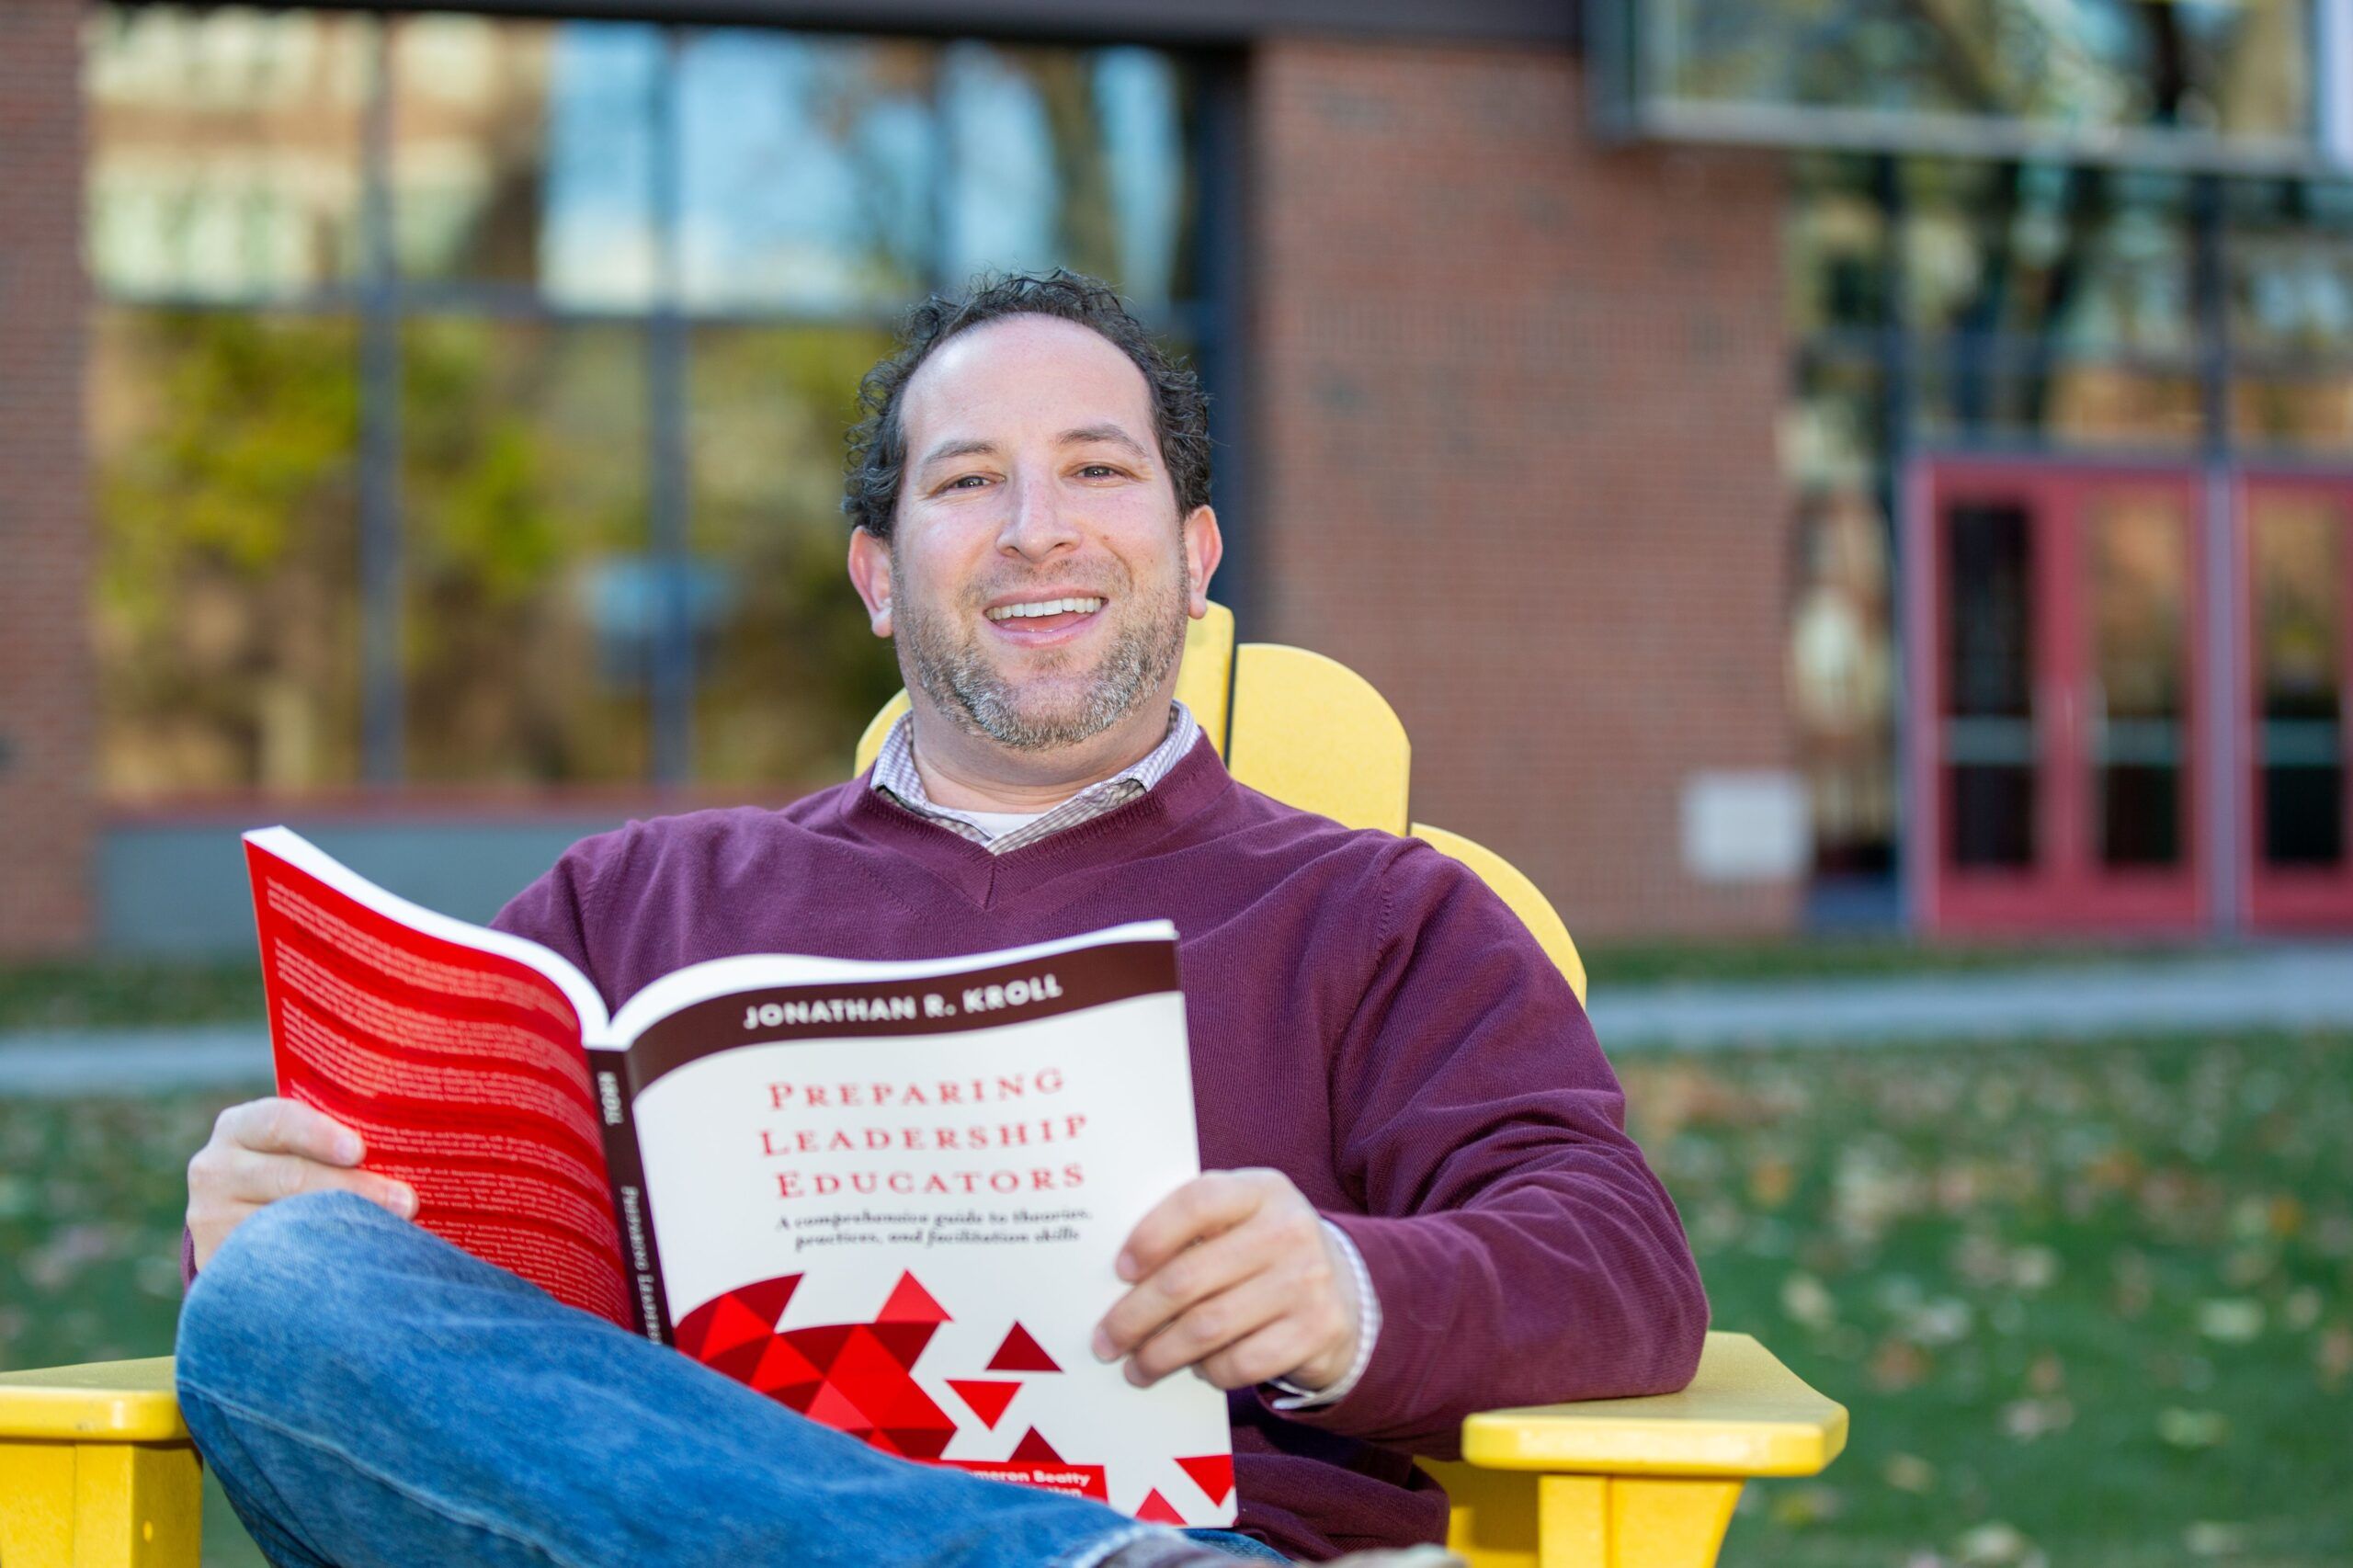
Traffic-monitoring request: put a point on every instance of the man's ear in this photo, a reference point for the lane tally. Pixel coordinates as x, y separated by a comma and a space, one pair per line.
1204, 547
869, 572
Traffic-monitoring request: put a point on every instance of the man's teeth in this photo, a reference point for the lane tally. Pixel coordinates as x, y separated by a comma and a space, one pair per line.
1045, 606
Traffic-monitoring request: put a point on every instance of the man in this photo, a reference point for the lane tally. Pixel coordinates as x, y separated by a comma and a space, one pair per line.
1419, 1199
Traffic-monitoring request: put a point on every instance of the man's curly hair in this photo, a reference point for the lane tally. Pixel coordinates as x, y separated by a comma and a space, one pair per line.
878, 445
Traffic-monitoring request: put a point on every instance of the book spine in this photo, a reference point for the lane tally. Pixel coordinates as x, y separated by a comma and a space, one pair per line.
641, 1256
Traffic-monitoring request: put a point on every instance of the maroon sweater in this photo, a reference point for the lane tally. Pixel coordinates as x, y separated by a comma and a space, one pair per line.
1366, 1016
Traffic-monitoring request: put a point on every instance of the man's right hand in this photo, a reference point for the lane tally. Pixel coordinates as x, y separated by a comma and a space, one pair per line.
266, 1150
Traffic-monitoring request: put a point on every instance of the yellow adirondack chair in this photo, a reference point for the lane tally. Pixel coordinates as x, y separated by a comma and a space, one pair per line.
96, 1470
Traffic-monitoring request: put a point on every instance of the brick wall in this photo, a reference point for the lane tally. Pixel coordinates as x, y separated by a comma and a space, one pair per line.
1516, 398
48, 804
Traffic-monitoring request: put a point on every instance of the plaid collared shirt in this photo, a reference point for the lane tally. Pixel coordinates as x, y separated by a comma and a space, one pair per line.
895, 775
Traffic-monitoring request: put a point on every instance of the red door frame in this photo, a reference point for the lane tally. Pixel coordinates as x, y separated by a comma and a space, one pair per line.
2067, 889
2284, 900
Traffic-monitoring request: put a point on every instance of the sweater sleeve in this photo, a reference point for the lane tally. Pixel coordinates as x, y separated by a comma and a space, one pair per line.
1522, 1250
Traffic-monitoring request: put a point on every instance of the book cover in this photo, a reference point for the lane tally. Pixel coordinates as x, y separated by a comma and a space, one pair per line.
885, 1195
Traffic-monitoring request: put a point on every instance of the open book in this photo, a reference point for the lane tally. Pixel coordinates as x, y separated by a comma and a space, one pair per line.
887, 1195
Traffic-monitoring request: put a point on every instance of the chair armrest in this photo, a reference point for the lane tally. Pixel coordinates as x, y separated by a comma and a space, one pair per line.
97, 1469
119, 1402
1744, 1415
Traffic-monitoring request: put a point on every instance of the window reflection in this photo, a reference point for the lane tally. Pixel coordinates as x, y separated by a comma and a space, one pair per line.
2139, 549
554, 189
523, 154
1060, 156
523, 474
2236, 71
1989, 680
227, 593
805, 172
788, 671
224, 159
2299, 566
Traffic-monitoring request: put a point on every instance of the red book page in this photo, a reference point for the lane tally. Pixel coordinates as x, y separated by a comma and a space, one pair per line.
462, 1069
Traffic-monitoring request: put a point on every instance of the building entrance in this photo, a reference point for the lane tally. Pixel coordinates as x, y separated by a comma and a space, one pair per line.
2057, 717
2066, 768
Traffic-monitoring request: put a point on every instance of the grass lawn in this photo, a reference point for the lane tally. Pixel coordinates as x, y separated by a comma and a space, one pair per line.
2089, 1304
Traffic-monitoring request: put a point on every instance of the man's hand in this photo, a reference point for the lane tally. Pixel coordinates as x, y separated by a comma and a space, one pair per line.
266, 1150
1235, 1277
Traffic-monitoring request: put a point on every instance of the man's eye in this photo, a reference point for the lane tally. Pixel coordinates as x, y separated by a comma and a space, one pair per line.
1101, 471
965, 482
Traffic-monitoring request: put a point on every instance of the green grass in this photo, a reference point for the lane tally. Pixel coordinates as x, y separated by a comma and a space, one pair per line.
2091, 1304
1844, 958
128, 993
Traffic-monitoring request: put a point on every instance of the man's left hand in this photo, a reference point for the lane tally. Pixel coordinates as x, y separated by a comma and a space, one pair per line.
1235, 1277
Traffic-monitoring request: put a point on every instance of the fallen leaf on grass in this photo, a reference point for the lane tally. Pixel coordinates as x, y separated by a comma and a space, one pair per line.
1898, 1364
1996, 1544
1794, 1507
1807, 1301
2024, 1420
2234, 1320
2181, 1428
2334, 1356
2211, 1537
1909, 1473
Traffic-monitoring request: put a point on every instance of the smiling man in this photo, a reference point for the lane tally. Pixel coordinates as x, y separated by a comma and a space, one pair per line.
1419, 1198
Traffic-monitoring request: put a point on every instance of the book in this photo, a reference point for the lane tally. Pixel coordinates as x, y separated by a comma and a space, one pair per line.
887, 1195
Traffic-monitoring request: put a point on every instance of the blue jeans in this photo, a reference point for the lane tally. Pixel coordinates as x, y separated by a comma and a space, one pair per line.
367, 1393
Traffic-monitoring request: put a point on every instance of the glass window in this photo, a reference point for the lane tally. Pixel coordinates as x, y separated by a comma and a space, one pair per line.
2229, 72
1836, 241
787, 671
556, 189
2096, 262
227, 614
523, 154
2298, 556
523, 479
2139, 565
807, 171
224, 157
2289, 254
1058, 156
1989, 721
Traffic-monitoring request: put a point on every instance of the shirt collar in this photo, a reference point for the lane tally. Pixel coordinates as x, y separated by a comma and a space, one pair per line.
895, 775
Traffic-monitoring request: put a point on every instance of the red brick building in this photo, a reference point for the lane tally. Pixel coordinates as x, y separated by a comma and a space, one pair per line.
419, 426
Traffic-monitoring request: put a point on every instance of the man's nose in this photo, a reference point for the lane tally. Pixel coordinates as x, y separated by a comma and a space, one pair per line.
1036, 524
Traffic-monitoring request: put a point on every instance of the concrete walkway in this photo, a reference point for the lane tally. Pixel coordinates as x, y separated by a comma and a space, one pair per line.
2283, 987
2271, 987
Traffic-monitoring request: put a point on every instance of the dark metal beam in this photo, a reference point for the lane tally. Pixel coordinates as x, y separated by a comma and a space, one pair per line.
1166, 22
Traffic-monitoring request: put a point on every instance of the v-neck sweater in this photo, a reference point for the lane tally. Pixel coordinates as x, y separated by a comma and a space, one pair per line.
1365, 1016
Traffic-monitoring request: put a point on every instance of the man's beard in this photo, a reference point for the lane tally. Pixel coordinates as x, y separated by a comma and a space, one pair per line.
959, 677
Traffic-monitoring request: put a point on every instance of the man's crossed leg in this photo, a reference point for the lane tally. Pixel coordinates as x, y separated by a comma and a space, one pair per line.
369, 1394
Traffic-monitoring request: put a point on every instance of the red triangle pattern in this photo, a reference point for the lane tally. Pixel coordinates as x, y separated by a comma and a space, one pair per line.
910, 1303
857, 1378
1213, 1474
1155, 1510
1033, 1448
1020, 1353
988, 1399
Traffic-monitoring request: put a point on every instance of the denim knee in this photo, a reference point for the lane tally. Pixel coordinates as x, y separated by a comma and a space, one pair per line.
276, 1291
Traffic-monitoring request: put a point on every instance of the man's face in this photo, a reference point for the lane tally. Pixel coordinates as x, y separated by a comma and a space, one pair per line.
1039, 576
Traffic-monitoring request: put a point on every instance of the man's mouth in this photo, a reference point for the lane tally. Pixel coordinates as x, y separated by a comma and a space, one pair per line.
1033, 618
